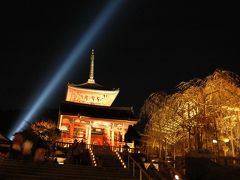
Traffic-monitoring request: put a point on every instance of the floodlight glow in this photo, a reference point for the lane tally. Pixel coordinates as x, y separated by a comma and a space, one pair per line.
214, 141
76, 53
176, 177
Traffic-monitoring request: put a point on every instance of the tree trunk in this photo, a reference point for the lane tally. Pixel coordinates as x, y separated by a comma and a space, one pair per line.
189, 139
174, 156
166, 153
159, 151
232, 144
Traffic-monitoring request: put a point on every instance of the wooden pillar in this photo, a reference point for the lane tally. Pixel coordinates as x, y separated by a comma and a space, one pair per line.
59, 127
86, 134
109, 134
123, 132
112, 136
89, 133
71, 130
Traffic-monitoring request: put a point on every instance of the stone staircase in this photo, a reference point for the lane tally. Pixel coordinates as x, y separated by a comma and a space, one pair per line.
26, 170
105, 157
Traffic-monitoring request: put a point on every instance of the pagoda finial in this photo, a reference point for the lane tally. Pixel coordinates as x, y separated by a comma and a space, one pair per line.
91, 73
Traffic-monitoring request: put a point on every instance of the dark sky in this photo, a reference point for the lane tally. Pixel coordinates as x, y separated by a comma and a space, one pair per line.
147, 46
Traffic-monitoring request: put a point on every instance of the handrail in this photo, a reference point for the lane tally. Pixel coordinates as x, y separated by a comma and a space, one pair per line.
140, 168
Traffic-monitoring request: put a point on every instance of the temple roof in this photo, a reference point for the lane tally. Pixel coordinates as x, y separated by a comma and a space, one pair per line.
88, 85
124, 113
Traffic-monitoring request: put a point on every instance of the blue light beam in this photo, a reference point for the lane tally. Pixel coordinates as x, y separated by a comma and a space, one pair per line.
75, 54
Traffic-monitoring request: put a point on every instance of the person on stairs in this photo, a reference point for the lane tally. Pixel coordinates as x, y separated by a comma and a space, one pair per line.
76, 152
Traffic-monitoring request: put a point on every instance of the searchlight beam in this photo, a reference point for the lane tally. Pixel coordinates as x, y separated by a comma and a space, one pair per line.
75, 54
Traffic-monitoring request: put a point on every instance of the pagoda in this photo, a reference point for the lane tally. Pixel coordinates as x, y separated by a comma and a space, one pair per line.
87, 114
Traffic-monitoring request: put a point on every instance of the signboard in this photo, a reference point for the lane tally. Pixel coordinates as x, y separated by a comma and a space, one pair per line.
89, 96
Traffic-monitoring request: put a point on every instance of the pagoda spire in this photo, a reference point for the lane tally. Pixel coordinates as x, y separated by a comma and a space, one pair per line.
91, 73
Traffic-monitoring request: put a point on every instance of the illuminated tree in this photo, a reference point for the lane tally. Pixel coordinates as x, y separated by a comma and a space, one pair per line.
190, 111
46, 130
42, 130
224, 105
150, 107
163, 128
200, 112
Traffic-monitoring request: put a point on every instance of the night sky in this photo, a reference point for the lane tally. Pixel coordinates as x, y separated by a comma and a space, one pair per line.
146, 47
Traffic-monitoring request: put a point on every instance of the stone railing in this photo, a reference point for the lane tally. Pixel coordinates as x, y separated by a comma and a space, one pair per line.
136, 167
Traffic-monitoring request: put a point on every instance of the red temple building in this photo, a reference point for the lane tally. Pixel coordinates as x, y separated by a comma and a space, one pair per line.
87, 114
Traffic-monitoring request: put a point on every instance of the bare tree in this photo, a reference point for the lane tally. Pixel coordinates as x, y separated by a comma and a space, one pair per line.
224, 105
200, 112
154, 102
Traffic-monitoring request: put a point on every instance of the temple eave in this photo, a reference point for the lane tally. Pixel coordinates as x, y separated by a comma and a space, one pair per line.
75, 109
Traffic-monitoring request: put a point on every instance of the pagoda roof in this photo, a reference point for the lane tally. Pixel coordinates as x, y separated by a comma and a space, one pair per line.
88, 85
121, 113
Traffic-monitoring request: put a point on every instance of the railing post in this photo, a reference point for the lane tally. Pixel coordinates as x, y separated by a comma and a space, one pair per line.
140, 174
133, 168
141, 171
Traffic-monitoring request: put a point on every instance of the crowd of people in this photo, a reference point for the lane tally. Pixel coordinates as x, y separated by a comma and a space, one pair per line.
40, 151
27, 149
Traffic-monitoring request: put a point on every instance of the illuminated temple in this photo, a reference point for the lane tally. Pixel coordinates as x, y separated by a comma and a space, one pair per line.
87, 114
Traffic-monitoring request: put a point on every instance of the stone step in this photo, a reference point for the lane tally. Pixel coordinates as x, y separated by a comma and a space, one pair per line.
70, 167
56, 171
46, 177
106, 157
15, 169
